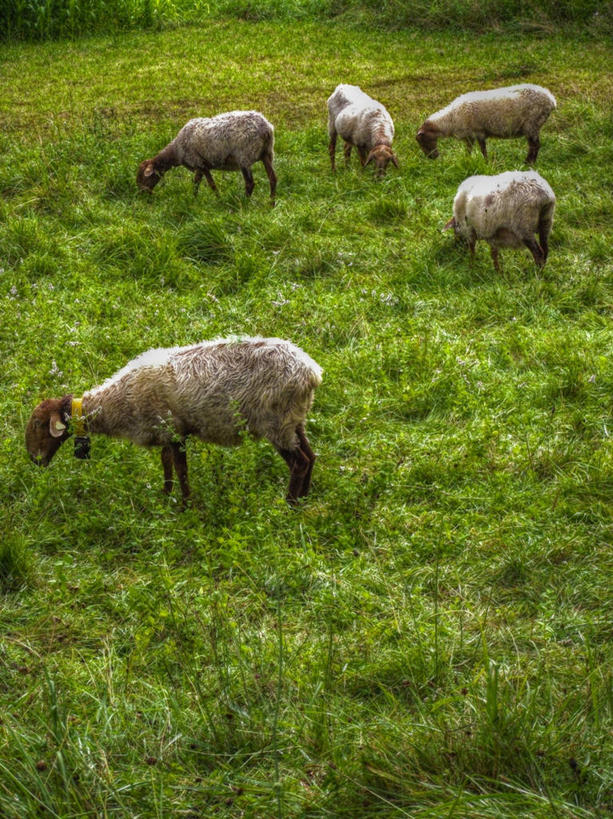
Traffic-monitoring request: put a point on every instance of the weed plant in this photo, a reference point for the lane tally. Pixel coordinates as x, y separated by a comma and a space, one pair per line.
428, 635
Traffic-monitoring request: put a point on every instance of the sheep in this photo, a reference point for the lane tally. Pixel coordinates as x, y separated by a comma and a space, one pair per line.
228, 142
217, 390
506, 211
519, 110
363, 122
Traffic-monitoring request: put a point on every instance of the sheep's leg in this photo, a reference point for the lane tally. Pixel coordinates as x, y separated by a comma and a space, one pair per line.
210, 180
469, 142
272, 177
167, 460
482, 145
347, 152
298, 464
535, 249
363, 155
495, 259
249, 183
533, 148
179, 456
197, 179
306, 449
332, 150
298, 473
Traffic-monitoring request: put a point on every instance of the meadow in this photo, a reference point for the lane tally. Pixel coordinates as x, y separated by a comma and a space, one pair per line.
429, 633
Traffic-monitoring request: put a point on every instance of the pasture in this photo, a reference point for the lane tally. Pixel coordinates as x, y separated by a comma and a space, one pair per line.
429, 633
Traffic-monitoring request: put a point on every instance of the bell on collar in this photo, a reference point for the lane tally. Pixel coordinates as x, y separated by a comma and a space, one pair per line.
82, 446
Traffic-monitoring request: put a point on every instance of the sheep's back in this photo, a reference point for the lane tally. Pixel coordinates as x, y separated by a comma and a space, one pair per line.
216, 389
228, 141
502, 112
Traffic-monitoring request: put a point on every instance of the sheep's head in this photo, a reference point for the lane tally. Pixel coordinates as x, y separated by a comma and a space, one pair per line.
147, 176
427, 137
47, 429
381, 155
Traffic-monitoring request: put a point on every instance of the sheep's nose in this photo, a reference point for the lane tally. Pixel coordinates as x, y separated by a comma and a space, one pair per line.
38, 460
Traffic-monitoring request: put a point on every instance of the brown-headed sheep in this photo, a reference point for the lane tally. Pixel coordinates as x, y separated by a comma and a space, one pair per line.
216, 390
519, 110
233, 141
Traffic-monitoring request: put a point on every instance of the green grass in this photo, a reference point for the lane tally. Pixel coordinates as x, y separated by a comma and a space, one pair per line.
429, 634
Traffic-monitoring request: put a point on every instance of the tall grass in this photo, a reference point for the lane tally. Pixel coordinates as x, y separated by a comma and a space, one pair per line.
478, 14
50, 19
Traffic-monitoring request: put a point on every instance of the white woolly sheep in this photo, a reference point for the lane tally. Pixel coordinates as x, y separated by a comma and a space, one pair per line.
228, 142
216, 390
361, 122
506, 210
519, 110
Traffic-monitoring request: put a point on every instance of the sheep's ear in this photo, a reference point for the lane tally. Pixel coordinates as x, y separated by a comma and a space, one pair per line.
450, 224
394, 160
149, 170
56, 425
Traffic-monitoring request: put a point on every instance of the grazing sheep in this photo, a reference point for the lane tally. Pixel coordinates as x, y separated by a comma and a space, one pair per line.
228, 142
519, 110
363, 122
216, 390
506, 210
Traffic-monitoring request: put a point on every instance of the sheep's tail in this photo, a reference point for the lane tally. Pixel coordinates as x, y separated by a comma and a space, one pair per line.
268, 149
545, 224
311, 370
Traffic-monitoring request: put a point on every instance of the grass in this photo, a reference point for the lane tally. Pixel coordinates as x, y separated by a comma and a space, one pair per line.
429, 634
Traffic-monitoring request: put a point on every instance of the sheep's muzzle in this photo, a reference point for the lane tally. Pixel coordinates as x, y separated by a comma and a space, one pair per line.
147, 176
427, 142
39, 460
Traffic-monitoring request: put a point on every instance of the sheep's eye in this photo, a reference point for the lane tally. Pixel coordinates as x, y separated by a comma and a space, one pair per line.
37, 423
